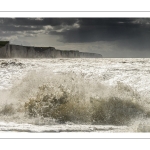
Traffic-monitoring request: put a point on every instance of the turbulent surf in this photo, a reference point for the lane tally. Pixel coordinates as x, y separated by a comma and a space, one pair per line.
71, 95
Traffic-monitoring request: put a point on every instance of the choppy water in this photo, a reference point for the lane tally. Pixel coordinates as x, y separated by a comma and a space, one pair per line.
71, 95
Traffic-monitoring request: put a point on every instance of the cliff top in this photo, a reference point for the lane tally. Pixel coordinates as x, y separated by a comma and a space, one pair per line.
39, 50
3, 43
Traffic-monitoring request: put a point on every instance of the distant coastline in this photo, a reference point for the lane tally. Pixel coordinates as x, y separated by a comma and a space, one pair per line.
8, 50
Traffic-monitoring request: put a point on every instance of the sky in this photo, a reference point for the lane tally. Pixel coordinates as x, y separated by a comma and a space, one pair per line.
111, 37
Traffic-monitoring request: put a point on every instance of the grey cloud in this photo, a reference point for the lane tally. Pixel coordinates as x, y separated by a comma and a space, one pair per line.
19, 28
34, 25
124, 35
129, 33
38, 22
102, 29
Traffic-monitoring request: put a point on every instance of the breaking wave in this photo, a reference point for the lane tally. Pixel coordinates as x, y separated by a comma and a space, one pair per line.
43, 97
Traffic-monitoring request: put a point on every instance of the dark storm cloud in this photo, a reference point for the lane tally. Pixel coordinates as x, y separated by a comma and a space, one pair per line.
104, 29
75, 30
130, 33
33, 24
19, 28
37, 21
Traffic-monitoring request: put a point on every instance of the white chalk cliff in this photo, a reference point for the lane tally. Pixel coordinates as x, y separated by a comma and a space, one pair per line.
19, 51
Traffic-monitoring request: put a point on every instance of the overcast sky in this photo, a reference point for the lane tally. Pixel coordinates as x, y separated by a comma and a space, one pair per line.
111, 37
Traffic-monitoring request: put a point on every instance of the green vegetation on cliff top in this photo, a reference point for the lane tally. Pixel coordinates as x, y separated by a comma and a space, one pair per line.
3, 43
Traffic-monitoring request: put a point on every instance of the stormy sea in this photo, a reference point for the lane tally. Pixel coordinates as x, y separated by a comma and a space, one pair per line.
75, 95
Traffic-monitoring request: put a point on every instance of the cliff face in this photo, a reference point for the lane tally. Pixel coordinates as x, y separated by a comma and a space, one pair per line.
18, 51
